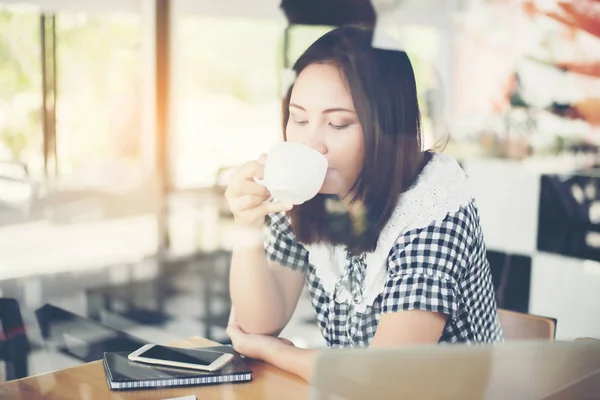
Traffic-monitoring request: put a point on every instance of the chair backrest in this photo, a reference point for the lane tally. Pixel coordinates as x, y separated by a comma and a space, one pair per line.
521, 326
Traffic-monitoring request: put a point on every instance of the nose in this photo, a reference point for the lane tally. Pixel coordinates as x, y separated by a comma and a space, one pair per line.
314, 139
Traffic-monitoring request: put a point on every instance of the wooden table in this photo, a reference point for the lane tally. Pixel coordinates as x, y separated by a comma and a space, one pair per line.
88, 382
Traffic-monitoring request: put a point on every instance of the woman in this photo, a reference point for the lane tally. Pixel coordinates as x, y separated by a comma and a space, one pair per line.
391, 248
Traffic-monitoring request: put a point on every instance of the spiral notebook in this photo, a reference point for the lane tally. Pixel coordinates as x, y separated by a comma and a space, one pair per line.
122, 374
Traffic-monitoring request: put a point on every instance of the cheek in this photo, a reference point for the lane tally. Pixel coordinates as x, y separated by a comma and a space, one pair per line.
359, 155
355, 149
360, 145
349, 150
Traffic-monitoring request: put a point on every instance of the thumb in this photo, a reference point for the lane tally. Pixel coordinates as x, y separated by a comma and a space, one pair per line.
287, 341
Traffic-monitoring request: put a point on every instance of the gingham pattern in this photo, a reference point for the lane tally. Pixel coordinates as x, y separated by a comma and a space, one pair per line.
440, 268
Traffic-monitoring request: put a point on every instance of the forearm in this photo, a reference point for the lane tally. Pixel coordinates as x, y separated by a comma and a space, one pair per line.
255, 293
292, 359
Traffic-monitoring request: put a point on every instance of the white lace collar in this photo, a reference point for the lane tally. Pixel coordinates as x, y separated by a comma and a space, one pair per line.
439, 190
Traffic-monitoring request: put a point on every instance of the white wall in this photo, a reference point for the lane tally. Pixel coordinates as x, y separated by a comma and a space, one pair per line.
567, 289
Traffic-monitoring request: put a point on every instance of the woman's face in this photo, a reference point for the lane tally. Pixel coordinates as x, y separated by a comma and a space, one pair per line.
322, 116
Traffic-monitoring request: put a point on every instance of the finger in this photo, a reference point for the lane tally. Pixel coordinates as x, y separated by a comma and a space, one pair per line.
259, 171
250, 187
268, 208
247, 202
245, 187
262, 158
250, 170
287, 341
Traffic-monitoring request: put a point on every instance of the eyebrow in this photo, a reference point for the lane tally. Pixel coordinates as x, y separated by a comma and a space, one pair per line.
327, 111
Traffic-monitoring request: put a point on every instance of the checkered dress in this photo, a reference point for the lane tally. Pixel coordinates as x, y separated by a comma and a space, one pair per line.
440, 268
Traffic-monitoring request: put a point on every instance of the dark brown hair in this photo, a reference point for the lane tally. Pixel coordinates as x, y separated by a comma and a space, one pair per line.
382, 85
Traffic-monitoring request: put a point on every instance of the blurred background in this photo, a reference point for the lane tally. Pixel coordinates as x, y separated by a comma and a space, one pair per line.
120, 120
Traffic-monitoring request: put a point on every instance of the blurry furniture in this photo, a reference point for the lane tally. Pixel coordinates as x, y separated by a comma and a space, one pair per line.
224, 173
511, 276
521, 326
14, 345
79, 337
143, 302
217, 299
569, 214
139, 301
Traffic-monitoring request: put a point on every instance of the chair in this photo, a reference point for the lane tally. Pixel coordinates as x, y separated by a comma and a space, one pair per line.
521, 326
14, 345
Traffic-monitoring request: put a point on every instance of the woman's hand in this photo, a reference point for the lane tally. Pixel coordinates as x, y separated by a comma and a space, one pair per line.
278, 352
247, 199
253, 345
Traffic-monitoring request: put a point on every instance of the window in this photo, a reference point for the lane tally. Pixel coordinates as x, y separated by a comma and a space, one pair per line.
98, 209
20, 88
300, 37
99, 97
226, 105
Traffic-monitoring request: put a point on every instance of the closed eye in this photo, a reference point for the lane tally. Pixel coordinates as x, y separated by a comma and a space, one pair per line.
339, 127
301, 123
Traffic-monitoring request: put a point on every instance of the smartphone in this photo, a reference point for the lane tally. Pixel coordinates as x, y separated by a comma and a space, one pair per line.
204, 360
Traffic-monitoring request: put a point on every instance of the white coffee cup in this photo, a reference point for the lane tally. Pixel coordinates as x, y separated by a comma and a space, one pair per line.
294, 173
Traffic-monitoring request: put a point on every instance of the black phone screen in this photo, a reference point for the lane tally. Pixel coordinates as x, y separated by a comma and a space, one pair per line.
198, 357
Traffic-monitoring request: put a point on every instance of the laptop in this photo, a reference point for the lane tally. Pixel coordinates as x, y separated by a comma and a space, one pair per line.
510, 370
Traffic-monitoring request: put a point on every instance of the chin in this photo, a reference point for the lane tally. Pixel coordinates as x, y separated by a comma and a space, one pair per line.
327, 192
329, 189
322, 191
